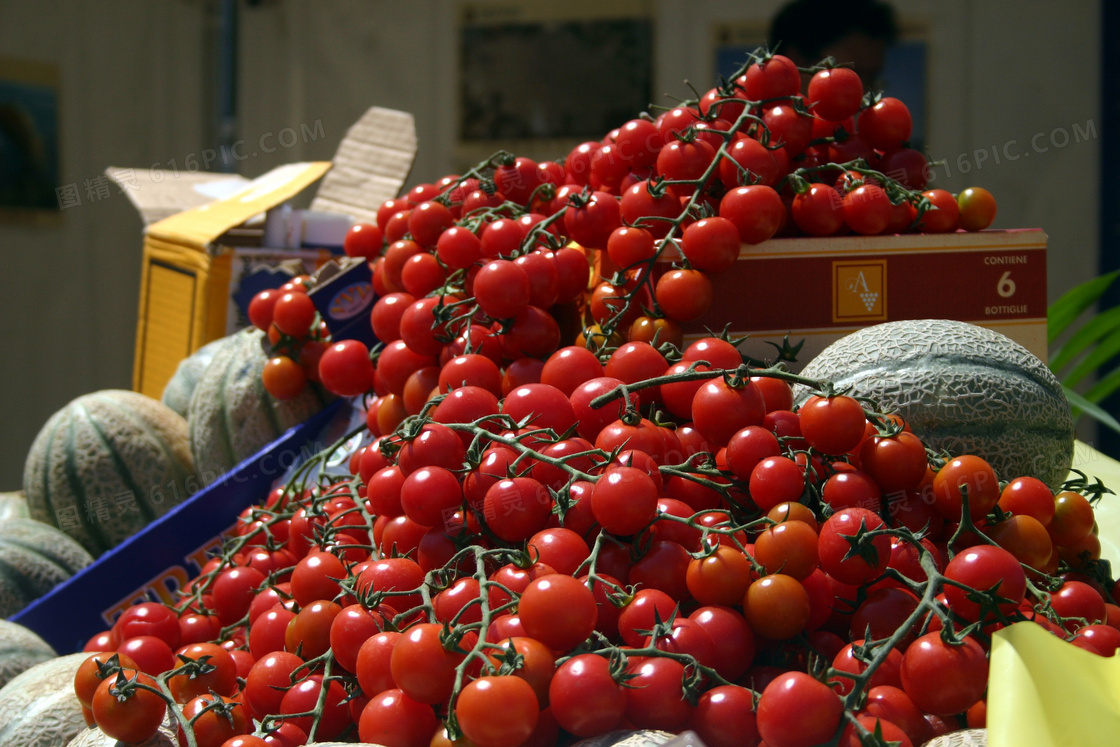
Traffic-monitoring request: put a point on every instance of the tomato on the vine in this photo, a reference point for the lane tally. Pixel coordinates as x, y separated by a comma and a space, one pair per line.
558, 610
977, 208
756, 211
818, 211
481, 699
684, 295
585, 697
798, 711
835, 94
346, 369
832, 425
942, 677
126, 707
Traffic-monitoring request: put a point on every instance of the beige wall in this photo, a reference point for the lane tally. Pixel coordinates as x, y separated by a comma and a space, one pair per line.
1000, 74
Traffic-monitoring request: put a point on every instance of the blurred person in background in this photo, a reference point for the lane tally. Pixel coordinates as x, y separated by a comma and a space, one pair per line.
856, 32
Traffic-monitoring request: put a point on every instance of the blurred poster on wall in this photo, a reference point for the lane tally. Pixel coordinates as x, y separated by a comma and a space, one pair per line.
29, 110
540, 76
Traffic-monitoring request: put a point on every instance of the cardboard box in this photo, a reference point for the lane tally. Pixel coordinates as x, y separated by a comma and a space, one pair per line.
160, 559
819, 290
204, 232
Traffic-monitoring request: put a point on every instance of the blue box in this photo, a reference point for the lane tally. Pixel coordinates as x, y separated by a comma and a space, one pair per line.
344, 296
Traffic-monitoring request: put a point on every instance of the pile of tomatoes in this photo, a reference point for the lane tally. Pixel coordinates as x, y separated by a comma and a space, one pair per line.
537, 569
500, 254
560, 520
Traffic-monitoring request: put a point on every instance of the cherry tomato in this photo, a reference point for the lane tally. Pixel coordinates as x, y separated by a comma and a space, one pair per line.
943, 214
214, 719
558, 610
832, 425
124, 710
152, 655
777, 607
847, 563
363, 240
943, 678
394, 719
774, 480
1073, 518
895, 463
1077, 601
590, 222
584, 696
481, 699
796, 710
724, 717
345, 368
720, 410
789, 547
149, 618
969, 474
819, 211
886, 125
221, 679
94, 670
867, 210
294, 313
756, 211
977, 208
655, 699
423, 666
720, 578
372, 666
624, 500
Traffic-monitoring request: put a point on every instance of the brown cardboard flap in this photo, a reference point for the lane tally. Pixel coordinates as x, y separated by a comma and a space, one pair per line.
157, 194
370, 166
200, 226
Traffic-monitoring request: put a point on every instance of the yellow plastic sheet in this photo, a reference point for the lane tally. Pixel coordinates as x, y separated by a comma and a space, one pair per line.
1044, 692
1095, 464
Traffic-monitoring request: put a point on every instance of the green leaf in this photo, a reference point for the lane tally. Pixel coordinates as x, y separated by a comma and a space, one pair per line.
1105, 351
1089, 408
1104, 387
1073, 302
1096, 329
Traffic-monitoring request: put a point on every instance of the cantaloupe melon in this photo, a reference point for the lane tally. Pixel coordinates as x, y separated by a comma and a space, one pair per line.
13, 505
94, 737
962, 388
232, 416
177, 393
628, 738
20, 649
106, 464
38, 708
34, 558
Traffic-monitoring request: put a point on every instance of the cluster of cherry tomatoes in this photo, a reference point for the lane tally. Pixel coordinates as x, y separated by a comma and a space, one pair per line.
548, 564
560, 519
499, 256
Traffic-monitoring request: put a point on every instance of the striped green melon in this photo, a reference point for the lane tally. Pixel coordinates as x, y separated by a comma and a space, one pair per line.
106, 464
34, 558
963, 389
232, 416
20, 649
38, 708
177, 393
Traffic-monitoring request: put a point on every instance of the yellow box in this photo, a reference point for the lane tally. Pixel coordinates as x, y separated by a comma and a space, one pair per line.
195, 245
